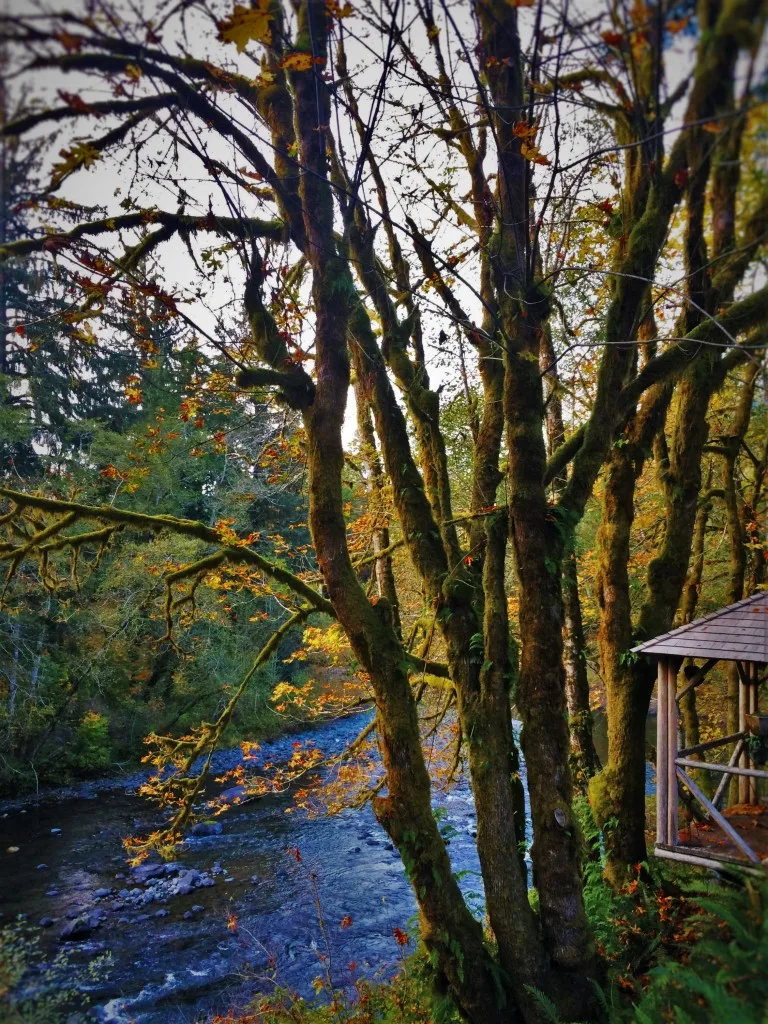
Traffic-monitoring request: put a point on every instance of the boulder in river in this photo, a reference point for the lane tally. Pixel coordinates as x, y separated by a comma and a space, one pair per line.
143, 872
207, 828
46, 922
80, 928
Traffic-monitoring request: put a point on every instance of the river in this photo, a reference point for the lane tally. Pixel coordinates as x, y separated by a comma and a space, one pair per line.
169, 968
175, 965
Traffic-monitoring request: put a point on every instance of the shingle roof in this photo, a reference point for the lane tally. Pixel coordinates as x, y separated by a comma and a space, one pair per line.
736, 633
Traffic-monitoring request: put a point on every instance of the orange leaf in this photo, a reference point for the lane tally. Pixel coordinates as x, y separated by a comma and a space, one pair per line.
533, 154
70, 43
612, 38
300, 61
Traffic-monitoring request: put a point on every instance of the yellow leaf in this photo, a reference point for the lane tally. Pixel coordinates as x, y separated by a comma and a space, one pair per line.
299, 61
534, 154
133, 72
82, 154
246, 25
337, 10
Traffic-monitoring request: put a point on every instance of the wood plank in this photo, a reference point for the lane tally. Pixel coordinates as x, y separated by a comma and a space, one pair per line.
710, 744
752, 710
722, 785
698, 678
716, 816
672, 729
705, 859
711, 766
742, 762
661, 750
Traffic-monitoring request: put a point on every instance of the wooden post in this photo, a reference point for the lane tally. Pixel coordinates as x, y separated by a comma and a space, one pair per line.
672, 728
743, 783
753, 783
662, 712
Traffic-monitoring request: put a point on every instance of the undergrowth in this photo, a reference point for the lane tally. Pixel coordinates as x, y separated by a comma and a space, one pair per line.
674, 949
34, 990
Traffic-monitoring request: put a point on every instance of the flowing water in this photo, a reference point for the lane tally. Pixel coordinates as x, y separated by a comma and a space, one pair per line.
168, 968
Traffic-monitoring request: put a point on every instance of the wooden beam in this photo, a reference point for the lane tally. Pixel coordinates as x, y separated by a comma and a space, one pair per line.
722, 785
672, 729
743, 707
752, 710
705, 859
710, 745
742, 773
716, 816
698, 678
661, 750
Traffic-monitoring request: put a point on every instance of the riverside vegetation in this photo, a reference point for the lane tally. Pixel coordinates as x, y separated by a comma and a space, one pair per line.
408, 356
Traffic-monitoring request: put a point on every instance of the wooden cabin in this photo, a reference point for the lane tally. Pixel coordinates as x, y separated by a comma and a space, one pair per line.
723, 829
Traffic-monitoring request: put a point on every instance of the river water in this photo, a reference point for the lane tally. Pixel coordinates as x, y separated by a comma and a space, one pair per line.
168, 969
172, 969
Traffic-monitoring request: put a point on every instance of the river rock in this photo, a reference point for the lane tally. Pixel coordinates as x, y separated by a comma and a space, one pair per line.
207, 828
80, 928
42, 867
142, 873
101, 893
188, 915
235, 795
46, 922
55, 831
161, 913
197, 909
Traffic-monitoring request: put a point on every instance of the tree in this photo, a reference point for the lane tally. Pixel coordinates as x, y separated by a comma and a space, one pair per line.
374, 277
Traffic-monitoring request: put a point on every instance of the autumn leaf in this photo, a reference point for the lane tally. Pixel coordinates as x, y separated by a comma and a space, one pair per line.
521, 3
70, 43
133, 72
300, 61
677, 25
713, 127
337, 10
533, 154
525, 130
82, 154
346, 922
246, 25
612, 38
75, 102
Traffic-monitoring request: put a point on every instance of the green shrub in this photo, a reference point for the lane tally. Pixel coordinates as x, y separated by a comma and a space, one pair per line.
92, 748
36, 991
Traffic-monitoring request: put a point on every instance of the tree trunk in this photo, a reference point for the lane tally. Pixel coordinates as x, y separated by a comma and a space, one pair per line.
617, 794
583, 759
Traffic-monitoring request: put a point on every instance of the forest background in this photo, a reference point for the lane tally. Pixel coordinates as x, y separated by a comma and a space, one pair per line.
529, 242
